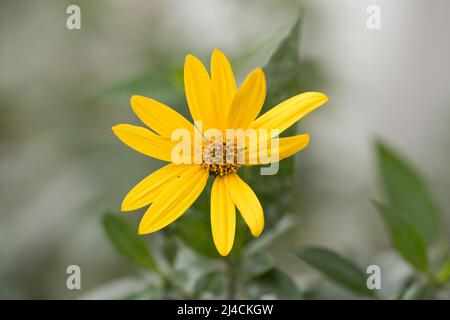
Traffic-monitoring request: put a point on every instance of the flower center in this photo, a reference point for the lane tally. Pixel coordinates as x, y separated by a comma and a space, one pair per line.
220, 158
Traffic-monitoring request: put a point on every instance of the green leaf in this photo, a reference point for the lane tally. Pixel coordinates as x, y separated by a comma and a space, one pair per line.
420, 291
274, 282
283, 80
405, 238
127, 242
407, 193
156, 83
194, 229
444, 274
169, 247
283, 69
339, 269
257, 264
162, 82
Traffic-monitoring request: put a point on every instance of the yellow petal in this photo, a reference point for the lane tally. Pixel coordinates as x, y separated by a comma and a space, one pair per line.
197, 85
248, 101
289, 111
146, 191
159, 117
174, 199
223, 217
224, 86
286, 148
291, 145
145, 141
246, 202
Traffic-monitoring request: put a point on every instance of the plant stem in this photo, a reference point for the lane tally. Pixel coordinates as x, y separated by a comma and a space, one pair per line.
233, 277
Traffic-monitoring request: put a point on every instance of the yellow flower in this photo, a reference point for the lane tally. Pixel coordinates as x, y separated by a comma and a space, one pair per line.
217, 102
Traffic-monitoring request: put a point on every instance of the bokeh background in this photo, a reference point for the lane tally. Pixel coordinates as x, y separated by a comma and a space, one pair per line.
61, 91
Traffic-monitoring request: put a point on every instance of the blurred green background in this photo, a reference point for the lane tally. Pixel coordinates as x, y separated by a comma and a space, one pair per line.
61, 90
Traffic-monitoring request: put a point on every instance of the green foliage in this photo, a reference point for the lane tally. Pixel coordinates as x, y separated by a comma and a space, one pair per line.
404, 236
193, 228
283, 69
169, 247
339, 269
410, 215
412, 222
283, 80
274, 282
443, 275
420, 291
257, 264
163, 81
406, 192
127, 242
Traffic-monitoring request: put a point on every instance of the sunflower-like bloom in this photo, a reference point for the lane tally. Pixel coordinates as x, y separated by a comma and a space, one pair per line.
218, 103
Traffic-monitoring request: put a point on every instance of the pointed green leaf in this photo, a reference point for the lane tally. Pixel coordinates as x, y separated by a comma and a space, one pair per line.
405, 238
339, 269
127, 241
283, 69
407, 193
283, 81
